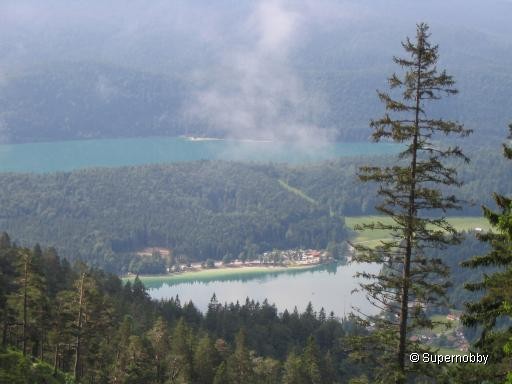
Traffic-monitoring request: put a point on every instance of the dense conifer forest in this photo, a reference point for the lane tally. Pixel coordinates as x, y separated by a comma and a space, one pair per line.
49, 306
206, 209
61, 322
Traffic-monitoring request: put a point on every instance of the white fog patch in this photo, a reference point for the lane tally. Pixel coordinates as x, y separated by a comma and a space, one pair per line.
255, 92
105, 89
4, 136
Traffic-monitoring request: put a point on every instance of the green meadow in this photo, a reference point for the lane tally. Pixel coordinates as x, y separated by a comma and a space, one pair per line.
373, 238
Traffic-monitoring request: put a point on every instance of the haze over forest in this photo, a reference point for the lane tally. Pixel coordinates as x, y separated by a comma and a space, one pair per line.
289, 70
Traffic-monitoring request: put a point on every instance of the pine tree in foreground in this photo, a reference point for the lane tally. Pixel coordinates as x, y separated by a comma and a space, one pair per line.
411, 197
493, 312
29, 300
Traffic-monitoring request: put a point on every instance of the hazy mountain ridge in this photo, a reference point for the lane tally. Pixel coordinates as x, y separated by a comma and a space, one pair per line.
292, 70
86, 100
98, 101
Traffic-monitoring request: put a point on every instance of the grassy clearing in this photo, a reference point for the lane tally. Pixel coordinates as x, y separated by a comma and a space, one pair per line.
369, 238
297, 192
373, 238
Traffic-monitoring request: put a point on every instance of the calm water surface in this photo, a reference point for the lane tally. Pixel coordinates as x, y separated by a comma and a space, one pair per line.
69, 155
326, 286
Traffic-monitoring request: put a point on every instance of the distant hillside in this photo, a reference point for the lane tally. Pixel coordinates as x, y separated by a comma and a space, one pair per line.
84, 100
88, 100
170, 68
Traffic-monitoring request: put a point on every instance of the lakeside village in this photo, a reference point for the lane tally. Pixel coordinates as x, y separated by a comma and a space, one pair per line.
277, 258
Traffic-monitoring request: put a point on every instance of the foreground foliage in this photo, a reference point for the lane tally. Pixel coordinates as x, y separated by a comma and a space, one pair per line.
89, 325
492, 314
17, 369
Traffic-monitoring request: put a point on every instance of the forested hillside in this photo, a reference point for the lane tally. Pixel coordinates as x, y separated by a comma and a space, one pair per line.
47, 104
201, 210
335, 183
206, 209
88, 100
97, 100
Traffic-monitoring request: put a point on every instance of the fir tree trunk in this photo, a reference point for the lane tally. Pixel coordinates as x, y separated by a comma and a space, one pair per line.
410, 228
158, 371
41, 344
56, 359
79, 329
25, 304
4, 334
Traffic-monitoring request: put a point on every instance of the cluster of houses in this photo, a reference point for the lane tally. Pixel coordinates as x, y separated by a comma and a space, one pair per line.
289, 257
453, 337
295, 257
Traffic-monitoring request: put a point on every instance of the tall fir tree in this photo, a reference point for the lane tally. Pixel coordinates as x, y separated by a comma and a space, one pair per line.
7, 285
411, 197
206, 359
180, 358
139, 366
29, 300
293, 370
493, 312
240, 366
160, 341
87, 315
311, 362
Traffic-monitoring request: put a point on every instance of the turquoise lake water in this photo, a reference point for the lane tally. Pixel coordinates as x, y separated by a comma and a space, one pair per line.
69, 155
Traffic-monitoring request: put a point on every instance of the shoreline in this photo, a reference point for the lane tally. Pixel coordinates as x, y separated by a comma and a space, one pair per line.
201, 138
220, 272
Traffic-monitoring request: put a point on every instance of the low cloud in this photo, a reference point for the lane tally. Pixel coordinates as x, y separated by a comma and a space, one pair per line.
255, 92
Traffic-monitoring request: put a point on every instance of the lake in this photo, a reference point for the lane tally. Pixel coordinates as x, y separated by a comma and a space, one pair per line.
327, 286
69, 155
